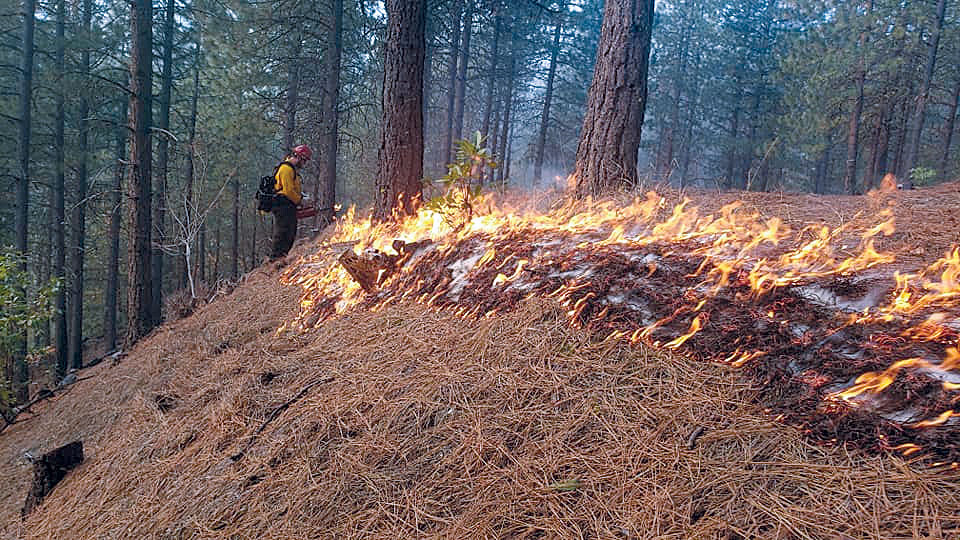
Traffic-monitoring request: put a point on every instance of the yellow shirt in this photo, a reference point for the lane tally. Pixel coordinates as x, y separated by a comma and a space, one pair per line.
288, 183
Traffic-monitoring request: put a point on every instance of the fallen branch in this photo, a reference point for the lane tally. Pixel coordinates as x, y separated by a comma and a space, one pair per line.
275, 413
373, 267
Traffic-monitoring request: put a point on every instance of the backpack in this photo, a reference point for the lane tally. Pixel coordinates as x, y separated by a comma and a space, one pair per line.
266, 193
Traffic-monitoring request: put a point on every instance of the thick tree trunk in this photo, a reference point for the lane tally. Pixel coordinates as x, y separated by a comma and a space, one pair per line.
462, 72
330, 136
139, 276
913, 149
113, 258
21, 374
400, 168
948, 131
59, 201
447, 149
607, 152
163, 145
547, 98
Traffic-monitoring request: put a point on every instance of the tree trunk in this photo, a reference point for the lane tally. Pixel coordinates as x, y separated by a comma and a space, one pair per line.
140, 287
607, 152
235, 227
330, 136
21, 373
880, 134
80, 210
293, 91
913, 149
59, 201
547, 98
505, 126
948, 131
667, 162
820, 180
191, 210
898, 160
202, 254
688, 136
400, 168
216, 254
462, 72
447, 150
253, 244
160, 196
491, 74
113, 258
853, 127
732, 134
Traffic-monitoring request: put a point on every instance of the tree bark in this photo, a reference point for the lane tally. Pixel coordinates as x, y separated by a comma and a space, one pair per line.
913, 149
113, 258
400, 160
140, 289
160, 195
330, 136
462, 72
21, 373
59, 200
452, 70
607, 152
547, 98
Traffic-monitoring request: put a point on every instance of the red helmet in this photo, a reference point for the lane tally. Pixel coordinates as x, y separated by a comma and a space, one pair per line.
303, 152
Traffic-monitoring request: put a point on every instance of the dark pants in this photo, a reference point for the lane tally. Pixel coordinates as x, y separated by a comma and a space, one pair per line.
284, 227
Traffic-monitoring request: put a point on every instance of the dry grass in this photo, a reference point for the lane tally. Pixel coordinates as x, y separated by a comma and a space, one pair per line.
429, 426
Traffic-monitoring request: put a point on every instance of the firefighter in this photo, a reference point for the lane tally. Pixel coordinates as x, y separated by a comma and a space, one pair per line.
288, 197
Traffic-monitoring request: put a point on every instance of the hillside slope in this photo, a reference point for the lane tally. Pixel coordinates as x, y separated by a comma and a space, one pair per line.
410, 422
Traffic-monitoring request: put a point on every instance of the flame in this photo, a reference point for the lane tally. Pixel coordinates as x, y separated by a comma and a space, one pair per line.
732, 247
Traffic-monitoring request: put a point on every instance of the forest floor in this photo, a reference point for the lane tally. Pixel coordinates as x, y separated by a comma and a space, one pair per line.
409, 422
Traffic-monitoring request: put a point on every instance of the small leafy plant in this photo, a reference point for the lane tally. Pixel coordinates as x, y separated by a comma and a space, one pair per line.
923, 176
463, 182
18, 313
